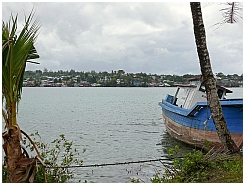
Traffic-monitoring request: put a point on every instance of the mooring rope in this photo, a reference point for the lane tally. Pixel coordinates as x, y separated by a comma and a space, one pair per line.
109, 164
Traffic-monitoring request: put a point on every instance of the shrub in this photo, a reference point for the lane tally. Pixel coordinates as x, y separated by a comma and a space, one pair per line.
59, 156
196, 166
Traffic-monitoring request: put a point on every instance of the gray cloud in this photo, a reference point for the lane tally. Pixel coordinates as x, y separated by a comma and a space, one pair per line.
137, 37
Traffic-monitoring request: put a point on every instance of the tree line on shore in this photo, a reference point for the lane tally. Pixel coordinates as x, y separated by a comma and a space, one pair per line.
118, 78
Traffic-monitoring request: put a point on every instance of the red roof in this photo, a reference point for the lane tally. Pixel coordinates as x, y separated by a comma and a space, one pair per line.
199, 79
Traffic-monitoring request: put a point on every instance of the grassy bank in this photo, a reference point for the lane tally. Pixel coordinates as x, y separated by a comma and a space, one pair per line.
229, 171
213, 167
193, 167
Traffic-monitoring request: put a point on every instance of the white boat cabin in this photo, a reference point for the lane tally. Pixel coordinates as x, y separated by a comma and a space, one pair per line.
187, 95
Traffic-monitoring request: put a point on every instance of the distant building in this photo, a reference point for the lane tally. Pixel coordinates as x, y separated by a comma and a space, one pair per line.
136, 83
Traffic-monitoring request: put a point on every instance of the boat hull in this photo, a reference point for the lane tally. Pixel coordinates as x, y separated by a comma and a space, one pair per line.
199, 138
196, 127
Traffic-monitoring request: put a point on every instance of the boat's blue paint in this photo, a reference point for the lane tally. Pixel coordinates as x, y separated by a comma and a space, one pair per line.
198, 116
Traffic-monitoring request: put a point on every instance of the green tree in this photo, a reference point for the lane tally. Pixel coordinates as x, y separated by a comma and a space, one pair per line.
208, 78
120, 72
39, 72
45, 72
113, 82
17, 50
221, 75
72, 72
55, 80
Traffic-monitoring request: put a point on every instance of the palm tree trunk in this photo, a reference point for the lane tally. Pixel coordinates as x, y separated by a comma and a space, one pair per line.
209, 80
20, 168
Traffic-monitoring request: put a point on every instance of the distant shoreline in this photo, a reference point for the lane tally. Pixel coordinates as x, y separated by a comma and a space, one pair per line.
112, 86
117, 79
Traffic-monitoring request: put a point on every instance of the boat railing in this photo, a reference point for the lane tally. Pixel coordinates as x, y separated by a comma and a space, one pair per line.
168, 105
233, 99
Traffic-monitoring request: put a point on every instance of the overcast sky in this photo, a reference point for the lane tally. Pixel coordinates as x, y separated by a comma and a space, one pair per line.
136, 37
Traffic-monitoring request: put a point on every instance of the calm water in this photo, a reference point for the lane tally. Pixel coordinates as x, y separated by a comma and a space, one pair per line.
113, 124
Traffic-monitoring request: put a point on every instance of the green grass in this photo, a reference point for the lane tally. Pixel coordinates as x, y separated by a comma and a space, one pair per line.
196, 167
226, 172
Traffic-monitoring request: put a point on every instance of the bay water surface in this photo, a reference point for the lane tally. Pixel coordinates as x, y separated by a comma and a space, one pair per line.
117, 124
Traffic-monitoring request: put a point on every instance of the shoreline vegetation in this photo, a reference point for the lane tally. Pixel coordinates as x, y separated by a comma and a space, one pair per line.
118, 78
197, 166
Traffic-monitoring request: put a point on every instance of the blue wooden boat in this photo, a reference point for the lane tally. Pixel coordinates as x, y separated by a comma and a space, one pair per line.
187, 115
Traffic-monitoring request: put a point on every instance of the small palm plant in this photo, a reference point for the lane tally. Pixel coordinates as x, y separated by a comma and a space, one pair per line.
17, 50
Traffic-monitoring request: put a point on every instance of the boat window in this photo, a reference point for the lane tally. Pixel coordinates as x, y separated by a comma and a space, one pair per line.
220, 93
202, 87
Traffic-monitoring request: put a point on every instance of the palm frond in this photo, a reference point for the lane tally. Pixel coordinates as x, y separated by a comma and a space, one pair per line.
231, 14
16, 51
